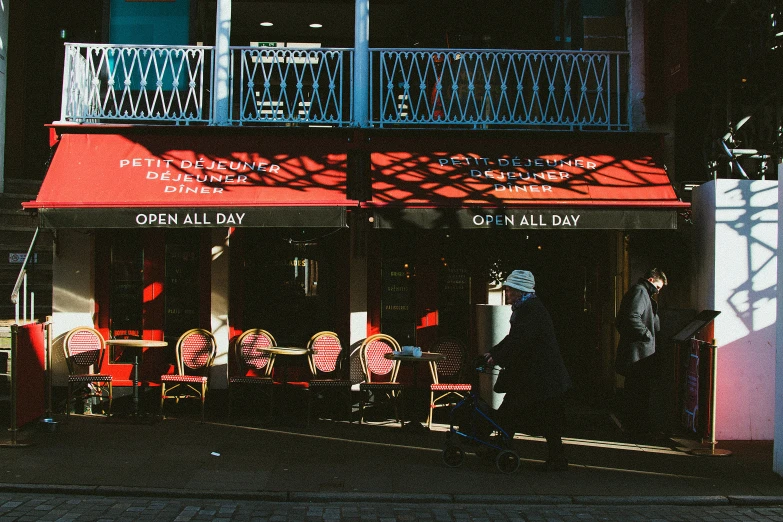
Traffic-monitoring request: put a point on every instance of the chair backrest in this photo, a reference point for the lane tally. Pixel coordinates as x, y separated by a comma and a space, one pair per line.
196, 350
375, 366
84, 347
450, 368
325, 351
246, 349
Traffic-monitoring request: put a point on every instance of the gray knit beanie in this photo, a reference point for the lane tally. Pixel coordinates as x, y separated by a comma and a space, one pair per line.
521, 280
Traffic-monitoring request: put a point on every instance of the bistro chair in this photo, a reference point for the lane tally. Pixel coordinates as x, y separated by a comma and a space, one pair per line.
448, 387
254, 364
195, 354
85, 349
380, 374
325, 358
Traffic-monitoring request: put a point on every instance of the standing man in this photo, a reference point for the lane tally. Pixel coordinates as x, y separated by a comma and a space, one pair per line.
637, 323
536, 378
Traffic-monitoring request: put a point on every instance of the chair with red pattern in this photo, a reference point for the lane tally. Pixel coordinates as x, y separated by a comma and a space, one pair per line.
380, 373
85, 349
254, 364
195, 354
325, 357
448, 385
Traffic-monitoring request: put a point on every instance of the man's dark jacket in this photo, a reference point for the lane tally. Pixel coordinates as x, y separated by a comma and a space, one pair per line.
531, 355
637, 322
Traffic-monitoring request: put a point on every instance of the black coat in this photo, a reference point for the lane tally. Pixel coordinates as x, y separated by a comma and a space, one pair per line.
637, 322
531, 355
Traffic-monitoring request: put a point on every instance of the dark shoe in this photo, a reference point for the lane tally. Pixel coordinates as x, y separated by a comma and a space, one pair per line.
560, 464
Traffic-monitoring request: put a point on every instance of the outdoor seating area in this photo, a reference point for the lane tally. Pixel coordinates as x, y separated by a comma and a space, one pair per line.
266, 382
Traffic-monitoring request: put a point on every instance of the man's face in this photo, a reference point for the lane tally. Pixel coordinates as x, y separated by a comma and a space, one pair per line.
511, 294
657, 283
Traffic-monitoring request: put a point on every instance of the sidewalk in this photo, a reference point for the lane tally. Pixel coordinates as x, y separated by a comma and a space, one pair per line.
340, 461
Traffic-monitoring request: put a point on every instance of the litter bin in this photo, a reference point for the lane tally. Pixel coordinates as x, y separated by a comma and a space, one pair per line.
492, 324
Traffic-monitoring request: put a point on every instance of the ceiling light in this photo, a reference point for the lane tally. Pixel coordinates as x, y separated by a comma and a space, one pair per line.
316, 26
267, 24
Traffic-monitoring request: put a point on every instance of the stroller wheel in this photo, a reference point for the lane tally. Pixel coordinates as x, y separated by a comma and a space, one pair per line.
453, 456
507, 461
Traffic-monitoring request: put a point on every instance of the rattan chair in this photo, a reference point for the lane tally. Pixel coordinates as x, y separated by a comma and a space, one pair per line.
380, 374
255, 365
325, 359
196, 350
85, 349
448, 388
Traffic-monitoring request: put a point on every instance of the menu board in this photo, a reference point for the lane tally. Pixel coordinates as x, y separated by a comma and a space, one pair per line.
397, 301
181, 289
453, 301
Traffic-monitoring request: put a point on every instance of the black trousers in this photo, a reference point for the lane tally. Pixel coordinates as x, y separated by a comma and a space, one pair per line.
639, 380
541, 418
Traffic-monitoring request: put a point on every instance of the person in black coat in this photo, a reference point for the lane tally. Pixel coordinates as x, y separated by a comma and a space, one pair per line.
637, 323
535, 376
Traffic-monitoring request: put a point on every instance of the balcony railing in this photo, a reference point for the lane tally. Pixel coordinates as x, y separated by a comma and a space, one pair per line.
154, 83
482, 88
406, 87
291, 86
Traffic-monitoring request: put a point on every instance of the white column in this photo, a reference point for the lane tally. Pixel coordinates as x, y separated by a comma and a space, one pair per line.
361, 64
737, 231
73, 292
219, 290
358, 282
777, 454
220, 77
3, 83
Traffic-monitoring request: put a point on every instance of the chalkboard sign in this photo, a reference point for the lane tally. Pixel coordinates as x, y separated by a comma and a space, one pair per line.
453, 301
397, 301
181, 288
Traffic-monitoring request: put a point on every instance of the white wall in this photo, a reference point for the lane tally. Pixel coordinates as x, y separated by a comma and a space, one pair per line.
737, 275
777, 457
219, 277
73, 298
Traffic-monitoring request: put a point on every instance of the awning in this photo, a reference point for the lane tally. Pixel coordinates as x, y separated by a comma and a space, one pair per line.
151, 180
607, 182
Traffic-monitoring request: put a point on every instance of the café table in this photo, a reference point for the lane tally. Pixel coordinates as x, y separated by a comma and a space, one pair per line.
431, 358
136, 343
287, 352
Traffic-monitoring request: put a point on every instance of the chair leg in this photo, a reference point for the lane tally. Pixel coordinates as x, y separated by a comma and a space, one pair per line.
432, 409
110, 399
309, 405
68, 401
162, 398
203, 398
361, 407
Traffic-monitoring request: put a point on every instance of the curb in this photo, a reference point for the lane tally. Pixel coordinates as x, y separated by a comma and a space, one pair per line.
411, 498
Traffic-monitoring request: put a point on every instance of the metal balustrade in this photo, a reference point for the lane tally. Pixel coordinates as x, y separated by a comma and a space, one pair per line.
552, 90
105, 83
492, 88
291, 86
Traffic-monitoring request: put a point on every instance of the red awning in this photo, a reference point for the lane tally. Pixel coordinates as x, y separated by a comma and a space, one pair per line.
186, 180
612, 179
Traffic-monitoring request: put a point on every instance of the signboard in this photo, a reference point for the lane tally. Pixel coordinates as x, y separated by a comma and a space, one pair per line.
18, 258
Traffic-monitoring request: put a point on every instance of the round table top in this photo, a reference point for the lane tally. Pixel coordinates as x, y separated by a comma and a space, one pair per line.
143, 343
284, 350
425, 356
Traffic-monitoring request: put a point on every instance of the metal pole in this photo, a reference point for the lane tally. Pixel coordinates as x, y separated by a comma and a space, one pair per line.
24, 297
48, 327
711, 451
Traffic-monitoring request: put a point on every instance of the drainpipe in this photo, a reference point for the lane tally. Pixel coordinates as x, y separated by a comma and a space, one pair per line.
361, 64
220, 77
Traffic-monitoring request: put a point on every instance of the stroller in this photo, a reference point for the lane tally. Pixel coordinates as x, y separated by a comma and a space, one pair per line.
471, 425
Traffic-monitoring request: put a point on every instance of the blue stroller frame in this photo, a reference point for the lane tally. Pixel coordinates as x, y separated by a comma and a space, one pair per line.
471, 424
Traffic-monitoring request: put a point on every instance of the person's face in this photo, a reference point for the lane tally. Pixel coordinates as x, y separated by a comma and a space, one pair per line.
511, 294
657, 283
